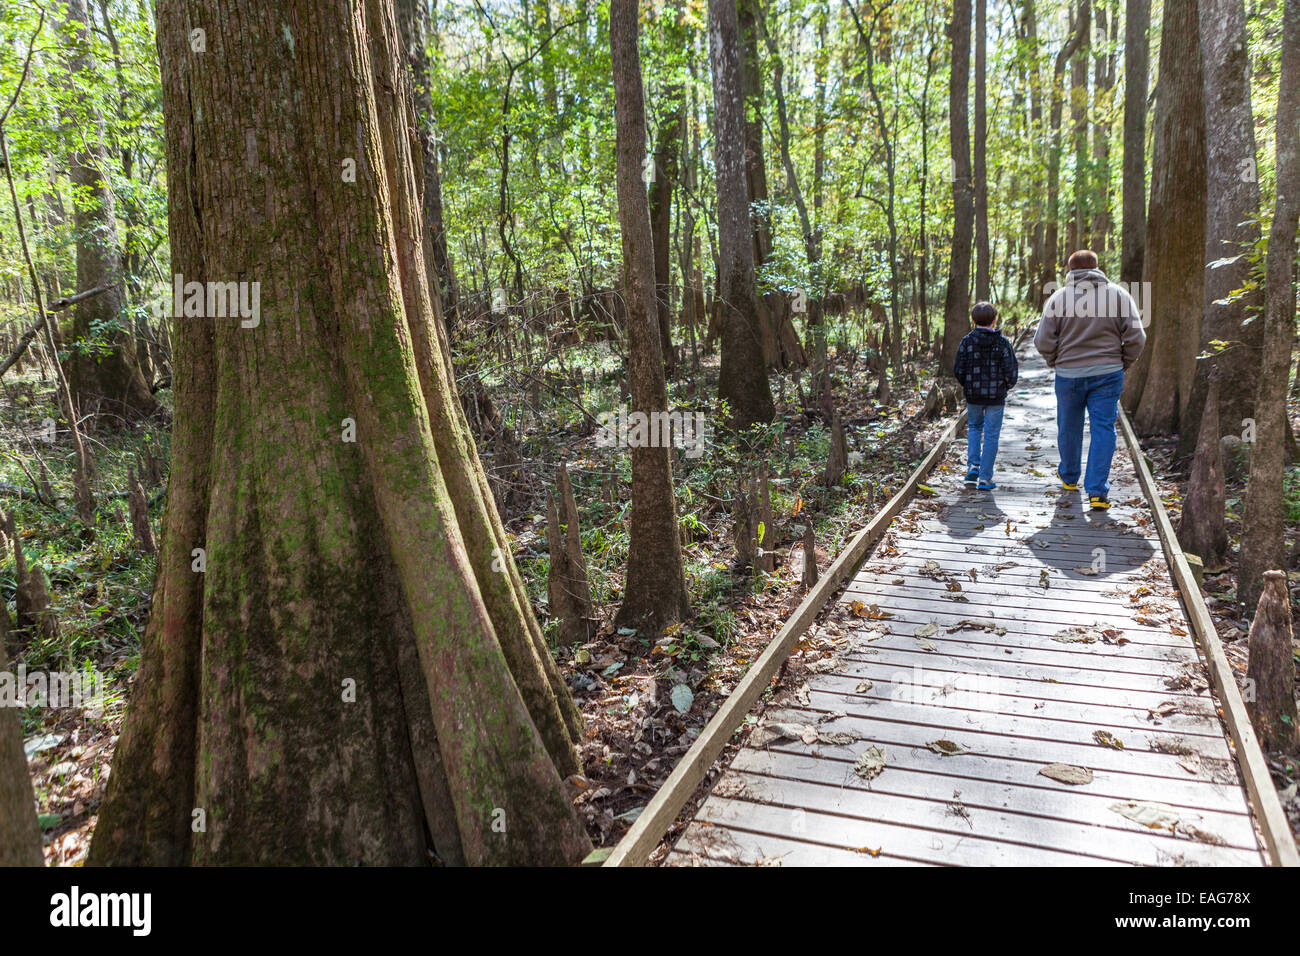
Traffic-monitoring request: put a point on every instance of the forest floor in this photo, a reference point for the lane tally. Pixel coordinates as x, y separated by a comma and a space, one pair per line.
1219, 587
644, 697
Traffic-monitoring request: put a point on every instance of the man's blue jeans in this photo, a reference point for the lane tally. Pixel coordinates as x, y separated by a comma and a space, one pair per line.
983, 426
1099, 395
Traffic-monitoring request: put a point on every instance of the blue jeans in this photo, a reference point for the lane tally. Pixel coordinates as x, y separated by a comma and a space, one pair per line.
984, 425
1099, 395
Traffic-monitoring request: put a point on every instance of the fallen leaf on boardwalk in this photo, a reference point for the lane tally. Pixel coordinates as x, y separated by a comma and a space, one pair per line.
868, 850
809, 735
926, 644
823, 665
947, 748
768, 861
870, 762
1202, 836
971, 572
1175, 629
927, 630
771, 733
1077, 635
838, 738
1191, 763
832, 715
1067, 773
931, 569
1044, 579
1084, 569
1163, 709
1107, 739
898, 581
871, 611
863, 686
1113, 636
1153, 816
682, 698
965, 624
1172, 745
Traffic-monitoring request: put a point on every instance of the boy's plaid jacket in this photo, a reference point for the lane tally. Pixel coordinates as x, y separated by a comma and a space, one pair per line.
986, 367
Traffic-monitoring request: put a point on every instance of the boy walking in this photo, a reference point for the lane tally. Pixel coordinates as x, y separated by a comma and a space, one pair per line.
986, 368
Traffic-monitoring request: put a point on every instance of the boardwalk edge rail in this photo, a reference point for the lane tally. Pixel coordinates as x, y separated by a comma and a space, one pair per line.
648, 830
1259, 783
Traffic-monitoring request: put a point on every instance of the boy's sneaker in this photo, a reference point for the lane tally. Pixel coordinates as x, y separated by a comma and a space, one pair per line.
1099, 502
987, 485
1068, 486
972, 476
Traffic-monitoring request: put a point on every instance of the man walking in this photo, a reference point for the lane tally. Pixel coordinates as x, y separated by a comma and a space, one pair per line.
1090, 334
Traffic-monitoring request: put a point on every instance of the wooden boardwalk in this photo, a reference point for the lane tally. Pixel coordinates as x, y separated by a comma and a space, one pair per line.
989, 637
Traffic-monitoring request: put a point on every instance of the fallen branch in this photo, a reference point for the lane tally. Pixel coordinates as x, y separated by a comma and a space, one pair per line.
58, 305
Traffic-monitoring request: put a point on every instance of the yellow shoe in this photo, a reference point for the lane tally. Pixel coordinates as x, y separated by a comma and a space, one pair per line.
1069, 487
1098, 503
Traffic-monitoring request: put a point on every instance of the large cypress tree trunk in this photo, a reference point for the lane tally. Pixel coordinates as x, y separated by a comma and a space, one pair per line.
956, 306
1262, 540
355, 661
1137, 21
655, 592
111, 381
1231, 224
742, 377
1160, 383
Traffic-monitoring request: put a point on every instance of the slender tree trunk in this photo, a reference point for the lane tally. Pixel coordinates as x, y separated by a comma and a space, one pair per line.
672, 128
341, 666
416, 29
1051, 257
751, 73
655, 593
982, 263
742, 378
110, 381
924, 265
1160, 383
20, 836
1078, 234
1103, 87
1040, 267
1231, 226
1137, 23
956, 309
1262, 541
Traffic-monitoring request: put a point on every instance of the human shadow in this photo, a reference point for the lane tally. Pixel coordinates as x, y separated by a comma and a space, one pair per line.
1082, 543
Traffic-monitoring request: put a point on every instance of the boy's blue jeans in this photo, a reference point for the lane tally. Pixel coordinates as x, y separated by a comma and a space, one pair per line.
1099, 395
983, 426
